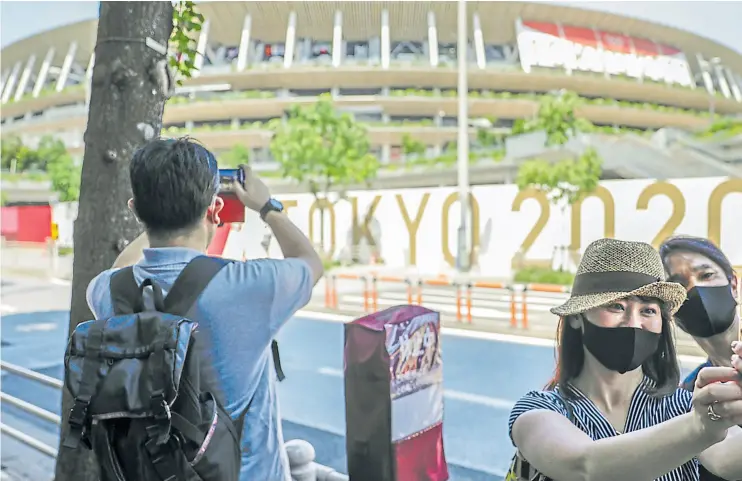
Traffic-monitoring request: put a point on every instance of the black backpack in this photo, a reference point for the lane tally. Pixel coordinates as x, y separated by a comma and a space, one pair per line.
145, 401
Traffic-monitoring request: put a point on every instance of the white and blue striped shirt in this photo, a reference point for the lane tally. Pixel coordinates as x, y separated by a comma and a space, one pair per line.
644, 411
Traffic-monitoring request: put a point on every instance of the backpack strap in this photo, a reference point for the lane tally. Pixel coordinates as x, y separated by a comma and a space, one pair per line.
126, 295
78, 418
191, 282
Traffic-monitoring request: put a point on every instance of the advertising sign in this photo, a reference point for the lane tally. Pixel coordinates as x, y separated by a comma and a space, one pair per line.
414, 354
394, 396
417, 228
550, 45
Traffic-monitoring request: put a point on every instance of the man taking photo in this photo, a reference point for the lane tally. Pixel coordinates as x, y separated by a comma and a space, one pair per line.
175, 184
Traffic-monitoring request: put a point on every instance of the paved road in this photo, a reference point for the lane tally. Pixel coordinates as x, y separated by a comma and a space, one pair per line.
483, 374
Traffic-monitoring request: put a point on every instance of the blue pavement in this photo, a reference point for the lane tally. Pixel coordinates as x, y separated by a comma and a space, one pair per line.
483, 378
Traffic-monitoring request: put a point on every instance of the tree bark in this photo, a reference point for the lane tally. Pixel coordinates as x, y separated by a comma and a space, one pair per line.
128, 94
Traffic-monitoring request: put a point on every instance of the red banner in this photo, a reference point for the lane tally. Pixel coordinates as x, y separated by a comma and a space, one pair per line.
611, 41
549, 45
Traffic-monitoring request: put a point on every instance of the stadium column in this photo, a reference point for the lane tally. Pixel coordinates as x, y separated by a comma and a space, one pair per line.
432, 40
720, 78
337, 39
385, 40
43, 72
25, 76
733, 84
337, 47
203, 40
244, 51
64, 73
3, 79
704, 66
10, 85
288, 53
89, 79
479, 42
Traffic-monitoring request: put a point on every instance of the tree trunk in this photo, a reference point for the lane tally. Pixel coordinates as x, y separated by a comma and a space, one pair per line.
128, 95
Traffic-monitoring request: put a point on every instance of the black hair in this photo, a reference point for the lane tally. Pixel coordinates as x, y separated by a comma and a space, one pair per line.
173, 183
699, 245
662, 367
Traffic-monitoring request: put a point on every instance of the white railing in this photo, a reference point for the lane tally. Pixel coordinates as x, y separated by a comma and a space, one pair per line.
301, 454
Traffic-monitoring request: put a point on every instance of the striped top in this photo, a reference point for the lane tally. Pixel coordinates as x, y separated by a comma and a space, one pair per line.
644, 411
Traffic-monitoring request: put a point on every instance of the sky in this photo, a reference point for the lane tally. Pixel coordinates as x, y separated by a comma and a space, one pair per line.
716, 20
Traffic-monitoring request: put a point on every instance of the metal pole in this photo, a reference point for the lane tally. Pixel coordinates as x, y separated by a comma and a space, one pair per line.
28, 440
463, 139
30, 408
32, 375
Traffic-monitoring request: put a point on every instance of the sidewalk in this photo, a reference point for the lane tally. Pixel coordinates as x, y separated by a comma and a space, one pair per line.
34, 262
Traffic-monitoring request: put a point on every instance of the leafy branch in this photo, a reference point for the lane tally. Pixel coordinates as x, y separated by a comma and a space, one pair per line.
564, 181
186, 21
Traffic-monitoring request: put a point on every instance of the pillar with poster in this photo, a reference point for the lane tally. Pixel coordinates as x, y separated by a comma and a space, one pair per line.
394, 396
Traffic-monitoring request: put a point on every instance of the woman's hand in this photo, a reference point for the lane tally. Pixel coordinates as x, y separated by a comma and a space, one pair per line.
717, 399
737, 359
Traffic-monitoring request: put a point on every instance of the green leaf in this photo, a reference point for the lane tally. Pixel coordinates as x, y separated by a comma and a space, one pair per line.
570, 179
320, 147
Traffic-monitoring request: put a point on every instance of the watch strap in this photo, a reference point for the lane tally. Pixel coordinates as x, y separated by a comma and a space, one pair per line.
269, 206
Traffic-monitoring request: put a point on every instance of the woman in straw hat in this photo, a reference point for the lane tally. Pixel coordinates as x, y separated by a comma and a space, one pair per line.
613, 410
709, 313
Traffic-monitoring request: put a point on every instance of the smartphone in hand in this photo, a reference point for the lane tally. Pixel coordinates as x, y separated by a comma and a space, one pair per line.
234, 210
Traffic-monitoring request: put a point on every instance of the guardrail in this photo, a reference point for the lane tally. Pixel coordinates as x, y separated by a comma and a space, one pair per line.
463, 288
301, 454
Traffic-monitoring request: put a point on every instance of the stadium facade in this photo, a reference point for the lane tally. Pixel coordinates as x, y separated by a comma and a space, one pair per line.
393, 65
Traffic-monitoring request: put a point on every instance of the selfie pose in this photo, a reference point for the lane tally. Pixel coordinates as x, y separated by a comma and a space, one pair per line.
709, 314
614, 410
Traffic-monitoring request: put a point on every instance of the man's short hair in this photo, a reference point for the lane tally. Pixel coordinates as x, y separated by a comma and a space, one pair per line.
173, 182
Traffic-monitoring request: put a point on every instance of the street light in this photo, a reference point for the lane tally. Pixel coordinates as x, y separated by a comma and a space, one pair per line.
462, 258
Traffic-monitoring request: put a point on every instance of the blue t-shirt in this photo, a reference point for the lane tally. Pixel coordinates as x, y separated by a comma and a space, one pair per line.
238, 314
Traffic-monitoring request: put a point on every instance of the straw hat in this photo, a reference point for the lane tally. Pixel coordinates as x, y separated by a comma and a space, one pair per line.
613, 269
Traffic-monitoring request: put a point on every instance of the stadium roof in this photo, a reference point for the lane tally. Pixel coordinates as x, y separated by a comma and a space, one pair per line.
361, 20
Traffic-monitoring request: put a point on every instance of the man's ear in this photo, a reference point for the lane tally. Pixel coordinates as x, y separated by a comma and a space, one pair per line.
735, 284
133, 208
212, 213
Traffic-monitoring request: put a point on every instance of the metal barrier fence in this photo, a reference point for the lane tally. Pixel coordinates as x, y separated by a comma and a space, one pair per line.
463, 288
301, 454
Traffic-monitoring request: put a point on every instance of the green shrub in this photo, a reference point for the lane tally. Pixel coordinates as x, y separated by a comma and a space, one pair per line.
540, 275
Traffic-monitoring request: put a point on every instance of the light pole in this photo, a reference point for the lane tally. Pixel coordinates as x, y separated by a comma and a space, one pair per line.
462, 258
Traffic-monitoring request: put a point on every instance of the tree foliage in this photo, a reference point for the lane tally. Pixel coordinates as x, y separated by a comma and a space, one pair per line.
186, 22
238, 154
50, 157
556, 117
325, 149
564, 181
412, 146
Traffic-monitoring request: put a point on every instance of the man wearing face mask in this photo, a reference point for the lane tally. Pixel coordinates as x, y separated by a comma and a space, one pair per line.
709, 314
614, 410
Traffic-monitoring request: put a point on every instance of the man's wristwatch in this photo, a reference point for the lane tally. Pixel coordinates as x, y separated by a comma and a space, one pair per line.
272, 205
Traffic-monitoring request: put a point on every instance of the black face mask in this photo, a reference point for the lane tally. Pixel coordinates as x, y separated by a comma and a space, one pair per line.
707, 311
620, 349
